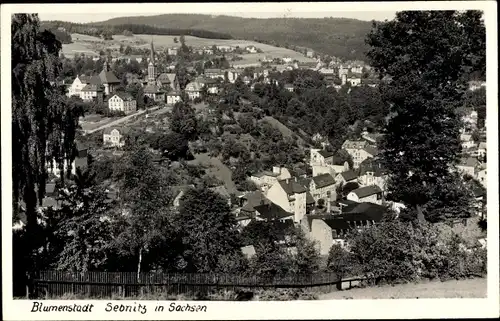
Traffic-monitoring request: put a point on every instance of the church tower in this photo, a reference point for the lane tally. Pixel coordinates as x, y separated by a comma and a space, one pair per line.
151, 66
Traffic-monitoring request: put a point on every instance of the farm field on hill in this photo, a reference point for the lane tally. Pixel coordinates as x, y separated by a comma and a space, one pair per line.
89, 45
472, 288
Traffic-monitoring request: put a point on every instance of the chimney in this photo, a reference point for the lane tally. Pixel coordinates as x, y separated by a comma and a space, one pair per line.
287, 180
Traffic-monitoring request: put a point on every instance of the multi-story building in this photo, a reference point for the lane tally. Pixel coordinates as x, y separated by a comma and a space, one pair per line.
123, 102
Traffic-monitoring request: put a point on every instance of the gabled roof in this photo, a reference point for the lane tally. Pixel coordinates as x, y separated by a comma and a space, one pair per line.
354, 144
122, 131
366, 191
152, 89
93, 87
323, 180
292, 187
349, 175
271, 211
309, 199
193, 86
124, 96
372, 165
362, 212
108, 77
164, 78
248, 251
469, 162
325, 153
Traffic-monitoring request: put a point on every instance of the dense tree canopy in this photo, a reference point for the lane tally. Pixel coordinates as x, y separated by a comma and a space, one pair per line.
43, 125
429, 56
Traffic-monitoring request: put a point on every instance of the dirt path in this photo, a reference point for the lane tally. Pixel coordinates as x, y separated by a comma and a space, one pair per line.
472, 288
119, 121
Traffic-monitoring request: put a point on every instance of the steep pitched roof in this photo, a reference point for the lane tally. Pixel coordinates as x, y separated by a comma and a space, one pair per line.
125, 96
310, 199
371, 150
152, 89
193, 86
325, 153
108, 77
93, 87
164, 78
354, 144
323, 180
272, 211
122, 131
349, 175
361, 212
372, 165
367, 191
469, 162
292, 187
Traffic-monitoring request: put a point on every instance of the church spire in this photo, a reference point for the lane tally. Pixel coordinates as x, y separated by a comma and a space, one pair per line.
152, 59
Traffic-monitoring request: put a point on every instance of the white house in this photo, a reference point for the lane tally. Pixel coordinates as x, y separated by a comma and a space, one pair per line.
359, 151
266, 179
193, 89
482, 177
291, 196
173, 97
92, 92
77, 85
468, 166
122, 102
370, 194
354, 82
114, 137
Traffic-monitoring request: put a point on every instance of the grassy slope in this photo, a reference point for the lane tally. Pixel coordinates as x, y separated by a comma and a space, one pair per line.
472, 288
335, 36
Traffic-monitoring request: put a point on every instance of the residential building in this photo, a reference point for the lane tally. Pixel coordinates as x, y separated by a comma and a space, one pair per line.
123, 102
346, 177
287, 60
309, 54
470, 120
372, 138
371, 194
80, 161
289, 87
251, 49
173, 97
193, 89
167, 81
327, 230
482, 177
232, 75
468, 166
359, 151
78, 84
225, 48
92, 92
481, 149
291, 196
172, 51
264, 180
114, 137
214, 73
354, 81
323, 187
357, 69
371, 172
467, 141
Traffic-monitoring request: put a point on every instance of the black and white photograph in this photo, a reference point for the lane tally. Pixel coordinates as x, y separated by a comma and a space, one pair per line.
247, 156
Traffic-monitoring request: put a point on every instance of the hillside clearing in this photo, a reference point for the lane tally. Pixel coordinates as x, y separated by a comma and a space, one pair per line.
471, 288
216, 168
285, 131
91, 46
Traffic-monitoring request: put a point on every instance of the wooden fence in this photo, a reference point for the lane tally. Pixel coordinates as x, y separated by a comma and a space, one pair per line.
126, 284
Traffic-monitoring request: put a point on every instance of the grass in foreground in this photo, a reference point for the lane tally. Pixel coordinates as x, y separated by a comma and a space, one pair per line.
470, 288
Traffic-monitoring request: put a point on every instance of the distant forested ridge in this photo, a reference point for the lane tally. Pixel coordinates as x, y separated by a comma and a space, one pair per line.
339, 37
98, 29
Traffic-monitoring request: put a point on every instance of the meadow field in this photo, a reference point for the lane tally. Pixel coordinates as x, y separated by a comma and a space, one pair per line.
91, 46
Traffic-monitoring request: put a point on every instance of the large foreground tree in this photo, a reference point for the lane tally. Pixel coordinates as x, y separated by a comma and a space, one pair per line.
428, 57
43, 126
